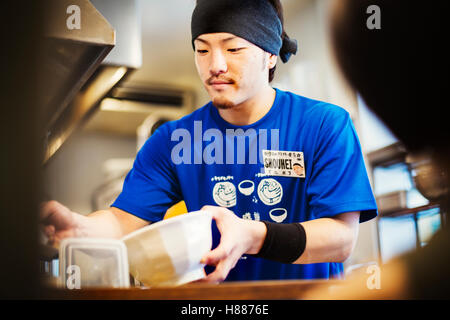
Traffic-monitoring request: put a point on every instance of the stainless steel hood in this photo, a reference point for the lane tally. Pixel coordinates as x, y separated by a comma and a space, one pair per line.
82, 65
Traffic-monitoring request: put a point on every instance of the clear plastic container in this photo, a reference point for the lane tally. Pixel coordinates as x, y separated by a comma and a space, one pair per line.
93, 263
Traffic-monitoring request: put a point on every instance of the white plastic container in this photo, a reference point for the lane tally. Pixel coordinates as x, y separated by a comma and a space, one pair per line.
93, 263
168, 253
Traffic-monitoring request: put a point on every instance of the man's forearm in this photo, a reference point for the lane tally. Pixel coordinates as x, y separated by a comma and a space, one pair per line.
329, 239
109, 223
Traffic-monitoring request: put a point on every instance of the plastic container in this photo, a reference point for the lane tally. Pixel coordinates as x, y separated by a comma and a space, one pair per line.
93, 263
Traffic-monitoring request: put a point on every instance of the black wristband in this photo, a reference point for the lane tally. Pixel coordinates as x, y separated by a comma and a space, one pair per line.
283, 243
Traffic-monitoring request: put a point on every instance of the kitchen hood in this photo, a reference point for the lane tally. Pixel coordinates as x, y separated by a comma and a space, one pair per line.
89, 47
131, 104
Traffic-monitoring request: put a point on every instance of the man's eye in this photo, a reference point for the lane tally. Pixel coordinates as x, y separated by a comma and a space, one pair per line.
202, 51
235, 49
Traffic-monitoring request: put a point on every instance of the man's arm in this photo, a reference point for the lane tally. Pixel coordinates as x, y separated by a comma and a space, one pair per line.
60, 222
119, 221
328, 240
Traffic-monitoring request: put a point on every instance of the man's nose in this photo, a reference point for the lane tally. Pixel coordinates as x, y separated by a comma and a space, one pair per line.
218, 63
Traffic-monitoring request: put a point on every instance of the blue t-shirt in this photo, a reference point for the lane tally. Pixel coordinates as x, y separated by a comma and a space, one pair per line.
318, 171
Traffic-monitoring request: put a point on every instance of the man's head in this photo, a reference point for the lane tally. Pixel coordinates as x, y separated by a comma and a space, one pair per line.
236, 45
231, 68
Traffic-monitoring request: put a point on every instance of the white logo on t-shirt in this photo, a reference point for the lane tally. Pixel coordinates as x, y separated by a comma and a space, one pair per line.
224, 194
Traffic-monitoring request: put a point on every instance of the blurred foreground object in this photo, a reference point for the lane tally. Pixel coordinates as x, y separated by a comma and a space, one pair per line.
389, 67
19, 162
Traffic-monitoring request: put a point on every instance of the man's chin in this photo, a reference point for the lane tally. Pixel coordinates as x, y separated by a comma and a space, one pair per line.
223, 103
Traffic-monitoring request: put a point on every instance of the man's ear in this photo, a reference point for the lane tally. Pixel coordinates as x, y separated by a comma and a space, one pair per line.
272, 60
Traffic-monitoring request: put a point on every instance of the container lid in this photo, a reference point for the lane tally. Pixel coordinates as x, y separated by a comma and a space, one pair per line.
93, 262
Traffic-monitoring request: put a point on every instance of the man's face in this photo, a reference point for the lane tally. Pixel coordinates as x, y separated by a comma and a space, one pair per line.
232, 69
298, 170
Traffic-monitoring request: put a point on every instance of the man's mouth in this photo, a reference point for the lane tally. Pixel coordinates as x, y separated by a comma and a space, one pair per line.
219, 84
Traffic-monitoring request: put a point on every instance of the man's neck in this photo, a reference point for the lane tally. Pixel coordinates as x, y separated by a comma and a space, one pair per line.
251, 110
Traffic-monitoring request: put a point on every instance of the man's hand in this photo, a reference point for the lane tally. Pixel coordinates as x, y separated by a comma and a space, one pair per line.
58, 222
238, 236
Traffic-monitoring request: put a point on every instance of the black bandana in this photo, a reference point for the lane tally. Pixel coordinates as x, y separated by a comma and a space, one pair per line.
253, 20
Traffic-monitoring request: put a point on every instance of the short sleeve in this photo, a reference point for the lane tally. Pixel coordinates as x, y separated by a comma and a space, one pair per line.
151, 186
339, 182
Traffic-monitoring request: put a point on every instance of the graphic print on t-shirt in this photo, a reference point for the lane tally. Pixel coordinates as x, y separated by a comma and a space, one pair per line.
224, 194
246, 187
270, 191
278, 214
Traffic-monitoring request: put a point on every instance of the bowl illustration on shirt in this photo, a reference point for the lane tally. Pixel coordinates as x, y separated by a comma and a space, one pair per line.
246, 187
270, 191
224, 194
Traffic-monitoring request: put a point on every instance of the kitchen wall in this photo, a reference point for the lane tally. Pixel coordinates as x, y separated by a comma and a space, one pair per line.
76, 170
168, 56
313, 71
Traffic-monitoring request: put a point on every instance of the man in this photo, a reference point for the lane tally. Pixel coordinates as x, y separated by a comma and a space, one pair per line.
273, 223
